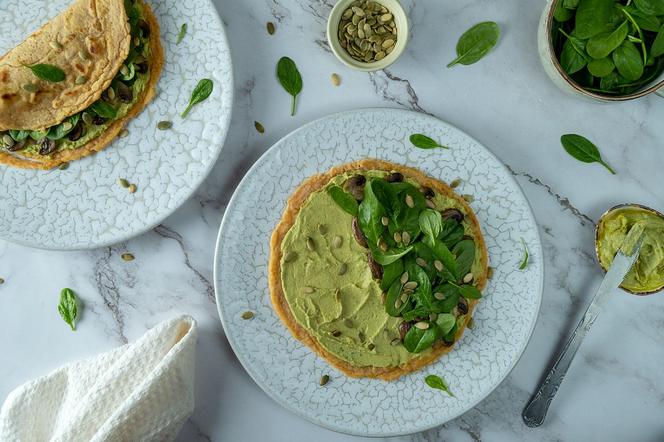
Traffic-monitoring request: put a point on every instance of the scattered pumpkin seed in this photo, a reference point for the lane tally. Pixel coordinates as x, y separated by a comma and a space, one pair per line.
163, 125
420, 262
422, 325
343, 268
349, 323
468, 278
311, 244
30, 87
82, 79
397, 237
468, 198
247, 315
395, 341
55, 45
2, 281
124, 70
430, 204
383, 245
123, 182
290, 256
433, 317
336, 333
127, 257
439, 296
271, 29
383, 298
404, 297
324, 380
63, 166
307, 290
7, 140
123, 133
322, 229
404, 278
405, 237
438, 265
471, 323
385, 221
87, 118
455, 183
336, 79
337, 241
409, 201
67, 125
410, 285
489, 272
371, 347
111, 93
398, 304
367, 31
132, 188
259, 127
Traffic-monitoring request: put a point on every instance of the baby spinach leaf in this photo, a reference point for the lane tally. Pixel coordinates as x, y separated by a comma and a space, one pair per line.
573, 57
393, 295
418, 340
344, 199
103, 109
47, 72
445, 322
561, 13
570, 4
391, 272
657, 48
602, 45
201, 92
451, 233
628, 61
369, 215
446, 257
469, 291
68, 308
601, 67
290, 79
386, 258
431, 224
526, 255
422, 293
583, 150
593, 17
465, 256
450, 300
475, 43
650, 7
19, 135
611, 81
437, 382
424, 142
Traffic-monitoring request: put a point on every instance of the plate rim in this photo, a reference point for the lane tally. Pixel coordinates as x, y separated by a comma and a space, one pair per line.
246, 366
225, 126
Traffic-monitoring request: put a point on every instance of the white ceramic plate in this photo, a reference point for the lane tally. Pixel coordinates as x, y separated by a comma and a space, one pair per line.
287, 370
83, 206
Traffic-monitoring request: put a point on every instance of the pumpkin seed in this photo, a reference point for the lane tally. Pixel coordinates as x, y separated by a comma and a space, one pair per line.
307, 290
405, 237
422, 325
420, 262
349, 323
164, 125
409, 201
433, 317
398, 304
127, 257
489, 273
430, 204
468, 198
336, 79
397, 237
290, 256
455, 183
410, 285
385, 221
7, 140
383, 298
124, 70
382, 245
336, 242
468, 278
324, 380
311, 245
247, 315
55, 45
388, 43
132, 188
63, 166
322, 229
270, 28
259, 127
395, 341
67, 126
123, 133
2, 281
404, 278
343, 268
123, 182
87, 118
404, 297
438, 265
30, 87
439, 296
366, 25
110, 92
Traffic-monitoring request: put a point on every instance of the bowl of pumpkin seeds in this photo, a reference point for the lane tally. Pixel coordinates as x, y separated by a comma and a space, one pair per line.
367, 35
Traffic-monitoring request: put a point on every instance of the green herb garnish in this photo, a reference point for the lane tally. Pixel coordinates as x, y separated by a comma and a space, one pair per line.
475, 43
424, 142
103, 109
202, 90
439, 383
67, 307
182, 33
526, 255
290, 79
583, 150
47, 72
344, 199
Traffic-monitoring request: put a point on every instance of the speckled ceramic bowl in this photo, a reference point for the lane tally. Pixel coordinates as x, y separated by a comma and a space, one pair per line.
400, 19
560, 78
610, 211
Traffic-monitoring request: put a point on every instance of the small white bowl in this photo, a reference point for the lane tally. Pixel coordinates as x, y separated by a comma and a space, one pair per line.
400, 19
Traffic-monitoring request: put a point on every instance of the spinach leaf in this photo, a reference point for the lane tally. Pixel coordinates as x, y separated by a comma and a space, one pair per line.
387, 258
437, 382
62, 129
290, 79
451, 233
418, 340
445, 322
424, 142
394, 295
19, 135
422, 295
583, 150
469, 291
47, 72
201, 92
601, 67
601, 45
391, 272
385, 194
570, 4
431, 224
657, 48
611, 81
573, 57
181, 34
450, 267
561, 13
68, 308
465, 256
524, 261
450, 300
593, 17
650, 7
344, 199
103, 109
369, 215
475, 43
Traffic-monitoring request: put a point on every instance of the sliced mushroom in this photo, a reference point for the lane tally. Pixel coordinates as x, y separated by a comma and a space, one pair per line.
355, 186
394, 177
376, 269
19, 145
143, 26
454, 214
428, 192
357, 233
46, 146
98, 120
462, 306
77, 132
403, 329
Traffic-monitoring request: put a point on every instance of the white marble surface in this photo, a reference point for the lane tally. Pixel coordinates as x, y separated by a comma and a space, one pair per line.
614, 388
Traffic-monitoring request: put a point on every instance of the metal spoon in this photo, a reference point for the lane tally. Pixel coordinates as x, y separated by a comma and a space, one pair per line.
535, 411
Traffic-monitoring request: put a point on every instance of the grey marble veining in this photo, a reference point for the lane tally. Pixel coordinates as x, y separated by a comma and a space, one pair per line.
614, 388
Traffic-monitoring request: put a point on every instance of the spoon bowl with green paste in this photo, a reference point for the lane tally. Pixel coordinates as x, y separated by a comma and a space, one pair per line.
647, 275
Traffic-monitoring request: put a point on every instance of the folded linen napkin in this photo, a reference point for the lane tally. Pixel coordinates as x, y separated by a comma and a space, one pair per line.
142, 391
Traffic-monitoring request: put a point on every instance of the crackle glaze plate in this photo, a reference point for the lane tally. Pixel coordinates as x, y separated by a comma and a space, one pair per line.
84, 207
287, 370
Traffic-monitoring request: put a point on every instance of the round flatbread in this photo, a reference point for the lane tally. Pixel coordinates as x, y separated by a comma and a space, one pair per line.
297, 200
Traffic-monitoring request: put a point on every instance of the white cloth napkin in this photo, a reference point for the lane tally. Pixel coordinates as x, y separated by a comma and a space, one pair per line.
142, 391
